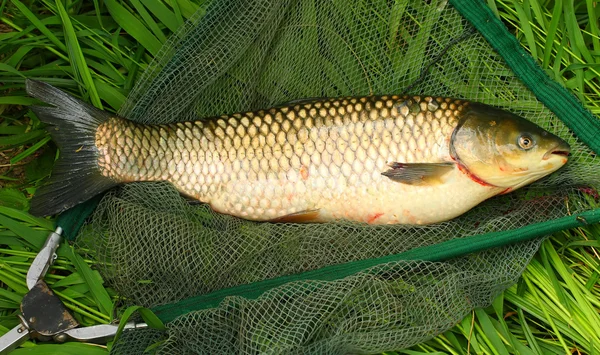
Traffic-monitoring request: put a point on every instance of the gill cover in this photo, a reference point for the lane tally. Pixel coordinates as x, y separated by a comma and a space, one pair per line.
504, 150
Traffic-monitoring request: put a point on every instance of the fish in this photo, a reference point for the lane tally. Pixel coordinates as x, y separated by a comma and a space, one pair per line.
387, 159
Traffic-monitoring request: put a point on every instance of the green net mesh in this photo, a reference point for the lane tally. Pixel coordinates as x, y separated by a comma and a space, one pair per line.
157, 248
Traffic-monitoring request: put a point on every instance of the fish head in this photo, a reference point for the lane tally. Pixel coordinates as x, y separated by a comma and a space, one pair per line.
504, 150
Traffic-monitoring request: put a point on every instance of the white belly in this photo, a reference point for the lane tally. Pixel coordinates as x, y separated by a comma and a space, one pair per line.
387, 201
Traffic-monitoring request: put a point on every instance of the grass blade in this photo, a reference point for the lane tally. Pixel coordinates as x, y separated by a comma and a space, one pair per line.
27, 218
574, 32
150, 23
13, 279
10, 69
19, 139
133, 26
188, 8
552, 29
13, 129
12, 296
34, 237
556, 285
147, 315
490, 332
541, 305
29, 151
62, 349
39, 25
593, 24
17, 57
526, 29
97, 290
589, 314
531, 341
18, 100
13, 198
77, 59
111, 95
73, 279
166, 16
177, 11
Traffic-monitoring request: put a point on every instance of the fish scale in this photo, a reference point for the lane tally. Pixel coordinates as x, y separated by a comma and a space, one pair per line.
325, 155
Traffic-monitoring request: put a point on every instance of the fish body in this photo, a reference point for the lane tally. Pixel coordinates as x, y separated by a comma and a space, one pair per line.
323, 155
376, 159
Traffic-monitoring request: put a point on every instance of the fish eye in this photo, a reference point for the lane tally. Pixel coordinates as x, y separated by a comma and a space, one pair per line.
526, 142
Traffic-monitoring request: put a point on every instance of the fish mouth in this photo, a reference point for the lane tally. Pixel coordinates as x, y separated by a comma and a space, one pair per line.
561, 149
564, 153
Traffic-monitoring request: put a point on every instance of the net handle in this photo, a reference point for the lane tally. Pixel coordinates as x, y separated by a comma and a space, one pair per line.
72, 220
434, 253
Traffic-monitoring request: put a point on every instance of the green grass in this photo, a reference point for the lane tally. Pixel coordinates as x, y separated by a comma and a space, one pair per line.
97, 50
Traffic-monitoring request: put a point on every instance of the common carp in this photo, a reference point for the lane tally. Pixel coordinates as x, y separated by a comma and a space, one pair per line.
374, 159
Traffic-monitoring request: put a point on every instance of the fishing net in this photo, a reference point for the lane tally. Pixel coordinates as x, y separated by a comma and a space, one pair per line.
227, 285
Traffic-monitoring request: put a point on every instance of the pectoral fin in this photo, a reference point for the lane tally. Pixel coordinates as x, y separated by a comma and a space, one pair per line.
298, 217
418, 173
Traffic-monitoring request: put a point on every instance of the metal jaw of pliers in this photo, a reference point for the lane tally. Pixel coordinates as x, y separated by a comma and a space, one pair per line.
44, 317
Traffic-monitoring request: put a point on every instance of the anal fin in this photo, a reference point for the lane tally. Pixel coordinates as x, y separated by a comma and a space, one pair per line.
298, 217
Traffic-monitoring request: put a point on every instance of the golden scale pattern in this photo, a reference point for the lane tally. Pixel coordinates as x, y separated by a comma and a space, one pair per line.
271, 163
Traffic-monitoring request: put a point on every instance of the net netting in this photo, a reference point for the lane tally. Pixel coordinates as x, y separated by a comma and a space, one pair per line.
234, 55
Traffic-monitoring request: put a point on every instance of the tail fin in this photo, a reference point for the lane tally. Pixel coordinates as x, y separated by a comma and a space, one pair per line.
72, 125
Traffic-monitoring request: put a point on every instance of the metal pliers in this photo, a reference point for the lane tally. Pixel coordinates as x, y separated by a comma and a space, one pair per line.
44, 317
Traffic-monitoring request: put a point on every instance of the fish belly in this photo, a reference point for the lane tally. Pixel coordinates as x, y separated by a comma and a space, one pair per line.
378, 201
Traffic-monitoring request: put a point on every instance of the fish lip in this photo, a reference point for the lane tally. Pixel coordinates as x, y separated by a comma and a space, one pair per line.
560, 149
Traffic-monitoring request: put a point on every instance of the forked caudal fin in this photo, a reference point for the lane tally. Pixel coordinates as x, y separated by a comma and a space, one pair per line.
72, 124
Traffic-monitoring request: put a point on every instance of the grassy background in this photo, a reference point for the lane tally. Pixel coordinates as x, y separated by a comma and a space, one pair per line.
553, 309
